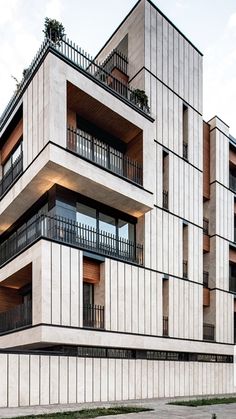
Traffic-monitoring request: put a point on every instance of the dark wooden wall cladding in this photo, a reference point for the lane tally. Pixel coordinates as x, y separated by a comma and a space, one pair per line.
206, 243
206, 297
71, 118
135, 148
91, 271
206, 160
9, 298
12, 141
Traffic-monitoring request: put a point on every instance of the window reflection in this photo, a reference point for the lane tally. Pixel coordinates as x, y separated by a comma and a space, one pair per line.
12, 159
125, 230
107, 224
86, 215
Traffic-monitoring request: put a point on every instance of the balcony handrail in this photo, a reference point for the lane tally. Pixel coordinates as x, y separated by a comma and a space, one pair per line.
185, 269
208, 331
11, 175
82, 61
205, 279
232, 284
62, 229
16, 317
120, 61
205, 226
96, 150
165, 326
93, 316
165, 199
185, 150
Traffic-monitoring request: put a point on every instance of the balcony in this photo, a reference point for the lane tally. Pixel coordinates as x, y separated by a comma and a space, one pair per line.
185, 269
205, 226
70, 232
185, 151
232, 284
208, 332
206, 238
17, 317
165, 326
93, 316
83, 63
232, 182
165, 200
206, 291
11, 175
205, 279
102, 154
116, 60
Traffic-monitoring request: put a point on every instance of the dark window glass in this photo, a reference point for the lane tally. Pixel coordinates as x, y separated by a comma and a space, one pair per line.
12, 159
87, 294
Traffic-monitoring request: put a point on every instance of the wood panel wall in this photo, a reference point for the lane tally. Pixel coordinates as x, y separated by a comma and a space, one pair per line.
9, 298
12, 141
91, 271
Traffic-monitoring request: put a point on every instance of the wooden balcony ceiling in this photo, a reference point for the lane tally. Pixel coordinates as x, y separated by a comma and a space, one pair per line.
100, 115
19, 279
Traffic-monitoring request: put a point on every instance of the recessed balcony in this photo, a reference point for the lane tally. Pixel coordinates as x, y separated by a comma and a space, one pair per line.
17, 317
165, 326
93, 316
73, 233
104, 155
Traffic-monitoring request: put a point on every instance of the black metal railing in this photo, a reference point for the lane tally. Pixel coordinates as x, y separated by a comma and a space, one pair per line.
165, 326
104, 155
232, 182
208, 331
116, 60
69, 231
85, 64
185, 268
235, 234
18, 316
232, 284
205, 226
165, 199
205, 279
185, 151
12, 174
93, 316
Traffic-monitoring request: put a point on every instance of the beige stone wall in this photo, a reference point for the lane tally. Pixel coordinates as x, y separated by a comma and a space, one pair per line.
43, 380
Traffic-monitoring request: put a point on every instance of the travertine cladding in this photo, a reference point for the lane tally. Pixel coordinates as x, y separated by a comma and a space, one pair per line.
169, 69
78, 380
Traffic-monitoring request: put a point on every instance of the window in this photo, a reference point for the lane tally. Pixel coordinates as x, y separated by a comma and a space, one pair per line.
185, 132
107, 224
110, 227
125, 230
86, 215
165, 181
88, 294
12, 159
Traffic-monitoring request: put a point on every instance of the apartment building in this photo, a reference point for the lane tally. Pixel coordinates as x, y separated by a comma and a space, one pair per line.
117, 245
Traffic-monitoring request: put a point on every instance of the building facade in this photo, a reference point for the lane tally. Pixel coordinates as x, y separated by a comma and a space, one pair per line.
117, 245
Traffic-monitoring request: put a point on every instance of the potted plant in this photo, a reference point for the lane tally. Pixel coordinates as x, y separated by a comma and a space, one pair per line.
53, 30
141, 99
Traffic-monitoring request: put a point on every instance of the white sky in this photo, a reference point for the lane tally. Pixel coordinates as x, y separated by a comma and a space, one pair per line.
209, 24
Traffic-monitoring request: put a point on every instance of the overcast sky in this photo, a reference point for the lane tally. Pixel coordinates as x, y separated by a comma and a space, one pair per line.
209, 24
